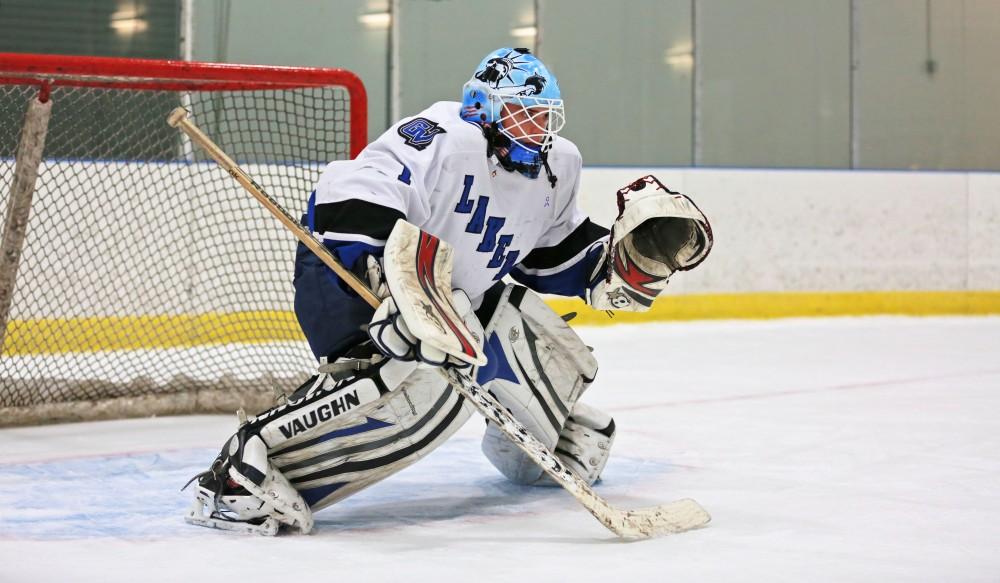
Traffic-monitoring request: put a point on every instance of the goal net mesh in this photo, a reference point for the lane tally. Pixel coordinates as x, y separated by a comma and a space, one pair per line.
149, 281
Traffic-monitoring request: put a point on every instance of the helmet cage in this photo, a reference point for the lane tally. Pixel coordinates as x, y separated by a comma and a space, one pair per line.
537, 126
535, 132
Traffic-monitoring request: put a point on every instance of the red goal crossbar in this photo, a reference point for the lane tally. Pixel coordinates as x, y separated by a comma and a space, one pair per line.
166, 75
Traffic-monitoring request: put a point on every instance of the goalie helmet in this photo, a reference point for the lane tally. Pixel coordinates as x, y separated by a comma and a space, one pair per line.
516, 101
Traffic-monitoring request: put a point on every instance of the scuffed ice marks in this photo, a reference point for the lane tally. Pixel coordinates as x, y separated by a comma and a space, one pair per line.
131, 496
137, 496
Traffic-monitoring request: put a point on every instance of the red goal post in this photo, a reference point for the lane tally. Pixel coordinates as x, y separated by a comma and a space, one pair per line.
136, 278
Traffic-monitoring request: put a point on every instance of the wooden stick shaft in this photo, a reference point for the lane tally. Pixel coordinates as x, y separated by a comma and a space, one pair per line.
178, 119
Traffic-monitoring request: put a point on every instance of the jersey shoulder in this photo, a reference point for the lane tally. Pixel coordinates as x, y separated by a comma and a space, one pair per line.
566, 161
566, 150
439, 125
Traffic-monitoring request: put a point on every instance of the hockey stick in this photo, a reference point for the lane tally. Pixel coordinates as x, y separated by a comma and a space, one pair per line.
677, 516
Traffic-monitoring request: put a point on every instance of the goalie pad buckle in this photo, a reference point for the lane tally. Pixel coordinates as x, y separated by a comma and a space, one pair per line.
655, 235
585, 442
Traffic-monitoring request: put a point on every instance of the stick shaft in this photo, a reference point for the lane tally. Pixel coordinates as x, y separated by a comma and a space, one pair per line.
178, 118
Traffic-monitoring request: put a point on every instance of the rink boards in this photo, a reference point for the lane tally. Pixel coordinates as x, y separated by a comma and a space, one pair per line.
788, 243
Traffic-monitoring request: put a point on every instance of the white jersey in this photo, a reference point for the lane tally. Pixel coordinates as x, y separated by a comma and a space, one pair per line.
432, 170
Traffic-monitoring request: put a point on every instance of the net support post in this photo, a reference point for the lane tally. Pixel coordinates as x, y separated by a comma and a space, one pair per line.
27, 161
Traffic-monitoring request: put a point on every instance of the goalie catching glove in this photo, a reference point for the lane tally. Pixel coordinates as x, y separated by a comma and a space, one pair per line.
654, 235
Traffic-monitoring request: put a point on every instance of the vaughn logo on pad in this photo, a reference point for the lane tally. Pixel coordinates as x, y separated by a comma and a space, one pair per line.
331, 405
325, 412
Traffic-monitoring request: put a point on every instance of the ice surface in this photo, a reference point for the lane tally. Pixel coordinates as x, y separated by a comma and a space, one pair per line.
826, 450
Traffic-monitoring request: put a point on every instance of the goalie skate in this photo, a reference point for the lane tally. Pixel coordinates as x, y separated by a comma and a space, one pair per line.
220, 513
242, 492
221, 503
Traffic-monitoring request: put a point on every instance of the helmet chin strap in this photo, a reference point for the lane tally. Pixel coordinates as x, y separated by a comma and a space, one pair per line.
548, 171
496, 140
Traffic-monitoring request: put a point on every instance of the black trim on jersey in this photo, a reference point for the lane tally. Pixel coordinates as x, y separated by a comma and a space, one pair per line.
581, 238
362, 465
356, 216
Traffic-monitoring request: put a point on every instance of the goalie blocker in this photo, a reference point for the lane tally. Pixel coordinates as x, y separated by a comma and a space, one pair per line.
365, 417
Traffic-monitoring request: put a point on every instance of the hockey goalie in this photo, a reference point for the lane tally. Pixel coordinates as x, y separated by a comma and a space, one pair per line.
438, 211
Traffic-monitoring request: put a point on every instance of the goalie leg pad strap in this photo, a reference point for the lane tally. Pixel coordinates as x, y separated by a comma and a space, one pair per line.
584, 443
584, 446
541, 369
252, 470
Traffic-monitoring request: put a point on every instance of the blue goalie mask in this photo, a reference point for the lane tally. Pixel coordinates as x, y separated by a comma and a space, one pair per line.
516, 100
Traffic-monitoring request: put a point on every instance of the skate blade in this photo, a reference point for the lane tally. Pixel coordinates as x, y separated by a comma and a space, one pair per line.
267, 528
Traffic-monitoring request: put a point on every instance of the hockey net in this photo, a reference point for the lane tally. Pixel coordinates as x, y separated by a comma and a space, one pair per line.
137, 278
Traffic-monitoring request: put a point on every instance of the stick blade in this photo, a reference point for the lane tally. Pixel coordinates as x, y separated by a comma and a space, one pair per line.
672, 518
